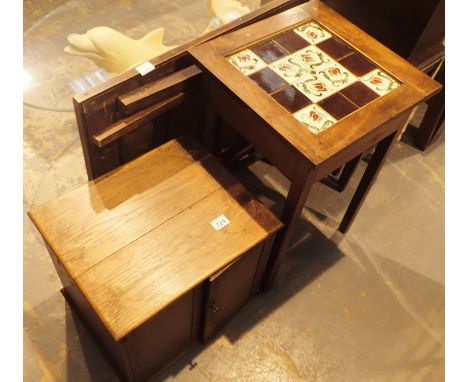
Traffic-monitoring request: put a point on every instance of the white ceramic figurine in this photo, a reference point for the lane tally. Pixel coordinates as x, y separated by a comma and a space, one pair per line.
116, 52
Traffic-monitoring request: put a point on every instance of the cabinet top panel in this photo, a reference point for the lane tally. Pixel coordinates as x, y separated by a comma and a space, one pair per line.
141, 236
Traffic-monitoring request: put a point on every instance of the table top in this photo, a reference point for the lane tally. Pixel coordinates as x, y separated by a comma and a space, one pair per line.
140, 237
314, 77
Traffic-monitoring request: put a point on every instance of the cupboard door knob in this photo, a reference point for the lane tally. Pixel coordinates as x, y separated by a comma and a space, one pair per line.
215, 308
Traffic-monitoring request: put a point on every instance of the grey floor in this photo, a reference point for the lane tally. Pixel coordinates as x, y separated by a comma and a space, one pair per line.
365, 306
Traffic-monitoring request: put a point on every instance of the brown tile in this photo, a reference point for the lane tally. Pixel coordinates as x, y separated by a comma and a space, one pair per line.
268, 80
357, 64
291, 99
359, 93
291, 41
334, 48
269, 51
337, 106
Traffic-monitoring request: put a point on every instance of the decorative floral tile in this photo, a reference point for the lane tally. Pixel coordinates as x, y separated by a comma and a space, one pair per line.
247, 61
313, 57
314, 118
315, 76
312, 32
380, 82
291, 69
314, 88
336, 75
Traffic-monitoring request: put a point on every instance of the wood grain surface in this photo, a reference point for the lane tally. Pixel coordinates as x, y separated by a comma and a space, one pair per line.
140, 118
158, 90
140, 237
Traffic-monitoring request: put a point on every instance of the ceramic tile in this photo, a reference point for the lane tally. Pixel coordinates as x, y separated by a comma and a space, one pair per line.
313, 58
337, 76
247, 61
335, 48
380, 82
291, 69
314, 88
337, 106
291, 99
357, 64
359, 93
291, 41
312, 32
314, 118
268, 80
313, 75
269, 51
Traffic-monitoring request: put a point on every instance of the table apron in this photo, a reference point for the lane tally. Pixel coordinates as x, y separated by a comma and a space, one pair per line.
256, 131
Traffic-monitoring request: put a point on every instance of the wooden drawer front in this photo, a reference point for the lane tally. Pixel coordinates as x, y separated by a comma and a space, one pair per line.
229, 290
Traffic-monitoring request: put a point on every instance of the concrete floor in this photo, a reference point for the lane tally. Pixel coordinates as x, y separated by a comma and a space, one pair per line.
365, 306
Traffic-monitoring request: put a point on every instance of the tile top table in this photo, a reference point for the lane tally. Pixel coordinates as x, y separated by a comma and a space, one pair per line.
311, 92
313, 75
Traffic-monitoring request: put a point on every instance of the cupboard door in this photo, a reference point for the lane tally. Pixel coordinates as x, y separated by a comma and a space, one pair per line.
229, 290
161, 339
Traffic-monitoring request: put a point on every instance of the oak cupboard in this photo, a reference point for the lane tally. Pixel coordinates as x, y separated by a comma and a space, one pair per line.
158, 254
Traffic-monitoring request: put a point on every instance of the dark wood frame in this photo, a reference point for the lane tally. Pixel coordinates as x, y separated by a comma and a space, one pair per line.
99, 109
302, 157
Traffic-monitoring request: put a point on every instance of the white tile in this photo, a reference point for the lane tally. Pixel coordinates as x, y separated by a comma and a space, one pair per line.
247, 62
380, 82
315, 118
312, 32
313, 58
290, 68
336, 76
314, 88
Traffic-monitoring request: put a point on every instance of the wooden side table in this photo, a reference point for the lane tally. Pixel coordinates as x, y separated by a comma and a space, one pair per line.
310, 91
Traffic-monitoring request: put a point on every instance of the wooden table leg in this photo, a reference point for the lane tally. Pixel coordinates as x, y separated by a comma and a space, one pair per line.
297, 196
378, 157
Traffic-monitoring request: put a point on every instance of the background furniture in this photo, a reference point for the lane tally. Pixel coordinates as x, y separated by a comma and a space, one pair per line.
414, 29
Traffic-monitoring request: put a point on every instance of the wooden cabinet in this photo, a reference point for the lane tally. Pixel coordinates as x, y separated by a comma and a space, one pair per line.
225, 294
142, 261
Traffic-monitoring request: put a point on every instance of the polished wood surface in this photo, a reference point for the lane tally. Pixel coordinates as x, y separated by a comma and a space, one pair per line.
416, 86
157, 91
226, 295
140, 237
142, 117
121, 206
